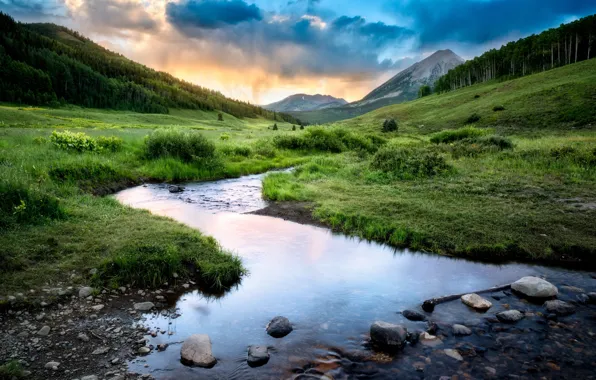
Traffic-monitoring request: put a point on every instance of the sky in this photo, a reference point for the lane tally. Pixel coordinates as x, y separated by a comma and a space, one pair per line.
262, 51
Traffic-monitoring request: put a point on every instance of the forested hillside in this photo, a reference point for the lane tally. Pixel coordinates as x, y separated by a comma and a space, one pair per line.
569, 43
50, 64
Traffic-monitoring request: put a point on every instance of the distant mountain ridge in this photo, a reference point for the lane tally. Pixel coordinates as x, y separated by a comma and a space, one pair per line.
305, 102
402, 87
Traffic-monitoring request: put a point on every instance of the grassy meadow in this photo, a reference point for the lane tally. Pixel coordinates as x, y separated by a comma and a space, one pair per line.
499, 171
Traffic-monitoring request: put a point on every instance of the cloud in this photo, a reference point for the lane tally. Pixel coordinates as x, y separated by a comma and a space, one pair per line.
34, 10
292, 44
118, 15
211, 14
481, 21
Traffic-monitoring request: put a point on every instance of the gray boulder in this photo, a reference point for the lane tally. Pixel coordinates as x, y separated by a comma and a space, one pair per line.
535, 287
413, 315
279, 327
44, 331
510, 316
474, 301
85, 292
257, 356
175, 189
388, 335
559, 307
461, 330
144, 306
196, 350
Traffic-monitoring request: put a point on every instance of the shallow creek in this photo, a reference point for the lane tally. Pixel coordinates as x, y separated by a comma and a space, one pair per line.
331, 287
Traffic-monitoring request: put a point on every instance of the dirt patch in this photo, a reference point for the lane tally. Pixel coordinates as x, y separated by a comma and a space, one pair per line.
299, 212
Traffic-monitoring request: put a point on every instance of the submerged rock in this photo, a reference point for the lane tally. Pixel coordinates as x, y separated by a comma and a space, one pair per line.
473, 300
413, 315
279, 327
461, 330
453, 354
427, 339
559, 307
144, 306
510, 316
196, 350
175, 189
592, 297
388, 335
535, 287
257, 356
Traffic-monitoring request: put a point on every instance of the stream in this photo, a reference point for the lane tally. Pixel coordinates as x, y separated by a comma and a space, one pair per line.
330, 286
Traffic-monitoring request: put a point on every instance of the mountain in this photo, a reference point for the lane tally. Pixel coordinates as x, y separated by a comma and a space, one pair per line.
304, 102
51, 65
402, 87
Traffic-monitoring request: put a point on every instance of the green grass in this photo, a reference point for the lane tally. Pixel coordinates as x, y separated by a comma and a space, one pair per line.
11, 370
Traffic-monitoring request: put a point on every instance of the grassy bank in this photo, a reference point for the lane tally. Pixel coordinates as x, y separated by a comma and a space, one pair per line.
498, 171
53, 229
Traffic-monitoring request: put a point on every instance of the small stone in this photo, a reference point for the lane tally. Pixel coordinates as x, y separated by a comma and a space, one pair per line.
175, 189
97, 307
461, 330
83, 337
535, 287
52, 365
196, 350
427, 339
257, 356
101, 351
510, 316
90, 377
162, 347
388, 335
85, 292
44, 331
453, 354
144, 306
559, 307
473, 300
115, 361
490, 371
279, 327
144, 350
413, 315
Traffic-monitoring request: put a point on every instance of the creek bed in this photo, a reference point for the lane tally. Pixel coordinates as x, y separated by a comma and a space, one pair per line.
332, 287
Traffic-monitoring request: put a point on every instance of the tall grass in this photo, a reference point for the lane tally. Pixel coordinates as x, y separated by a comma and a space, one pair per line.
449, 136
185, 145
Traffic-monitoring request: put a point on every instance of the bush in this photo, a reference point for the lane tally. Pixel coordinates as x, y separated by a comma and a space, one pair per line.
563, 151
265, 149
275, 127
301, 127
476, 96
329, 140
236, 150
75, 142
224, 137
448, 136
409, 163
23, 204
473, 118
187, 146
220, 116
39, 140
293, 127
424, 91
389, 125
111, 143
475, 146
498, 108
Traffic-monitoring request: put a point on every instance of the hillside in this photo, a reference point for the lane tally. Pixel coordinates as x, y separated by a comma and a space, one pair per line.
304, 102
402, 87
47, 64
559, 99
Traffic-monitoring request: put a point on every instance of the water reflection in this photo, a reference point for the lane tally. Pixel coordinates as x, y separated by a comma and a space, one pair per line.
331, 287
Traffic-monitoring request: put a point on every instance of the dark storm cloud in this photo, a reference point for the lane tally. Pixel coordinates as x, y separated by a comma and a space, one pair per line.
211, 14
481, 21
346, 45
33, 10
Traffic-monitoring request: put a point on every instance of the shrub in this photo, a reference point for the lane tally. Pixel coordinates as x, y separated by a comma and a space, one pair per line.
448, 136
76, 142
301, 127
291, 142
39, 140
472, 118
224, 137
476, 96
409, 163
498, 108
23, 204
389, 125
329, 140
220, 116
187, 146
324, 140
111, 143
563, 151
275, 127
500, 142
293, 127
265, 149
236, 150
424, 91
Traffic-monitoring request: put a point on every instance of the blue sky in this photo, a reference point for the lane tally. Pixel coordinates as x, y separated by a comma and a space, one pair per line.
261, 50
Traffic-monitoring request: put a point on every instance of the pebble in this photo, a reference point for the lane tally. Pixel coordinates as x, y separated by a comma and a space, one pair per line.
85, 292
44, 331
144, 306
461, 330
453, 354
473, 300
52, 365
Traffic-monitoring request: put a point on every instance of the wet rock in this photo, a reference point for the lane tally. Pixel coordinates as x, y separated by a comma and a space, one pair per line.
388, 335
461, 330
592, 297
582, 299
474, 301
559, 307
162, 347
510, 316
413, 315
535, 287
572, 289
101, 351
427, 339
83, 337
144, 306
90, 377
490, 371
453, 354
413, 337
144, 350
85, 292
196, 350
432, 328
498, 296
175, 189
97, 307
257, 356
279, 327
52, 365
44, 331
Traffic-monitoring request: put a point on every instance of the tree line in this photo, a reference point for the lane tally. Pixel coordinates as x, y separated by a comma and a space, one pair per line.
556, 47
49, 64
